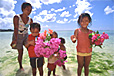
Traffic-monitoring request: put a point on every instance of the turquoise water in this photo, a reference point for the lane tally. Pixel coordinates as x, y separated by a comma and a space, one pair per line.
6, 37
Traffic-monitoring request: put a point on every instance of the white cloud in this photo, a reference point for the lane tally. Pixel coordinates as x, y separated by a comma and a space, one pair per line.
108, 10
38, 3
62, 22
70, 6
44, 16
50, 1
73, 5
91, 14
82, 6
7, 13
35, 3
72, 20
52, 9
65, 14
59, 21
44, 12
59, 10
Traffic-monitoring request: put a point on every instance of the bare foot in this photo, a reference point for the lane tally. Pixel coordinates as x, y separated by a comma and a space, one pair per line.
21, 69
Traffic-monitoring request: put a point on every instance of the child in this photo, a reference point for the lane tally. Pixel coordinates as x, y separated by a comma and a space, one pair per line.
53, 58
34, 60
84, 51
62, 47
21, 23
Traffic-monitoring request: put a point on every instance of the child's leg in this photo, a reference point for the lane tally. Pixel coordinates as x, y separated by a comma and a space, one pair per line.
86, 65
34, 71
20, 55
54, 72
40, 70
64, 67
80, 60
49, 72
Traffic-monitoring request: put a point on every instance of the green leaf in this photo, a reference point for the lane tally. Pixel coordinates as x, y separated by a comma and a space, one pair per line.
97, 32
98, 37
90, 35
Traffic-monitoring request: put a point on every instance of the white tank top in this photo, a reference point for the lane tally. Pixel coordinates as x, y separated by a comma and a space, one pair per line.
23, 28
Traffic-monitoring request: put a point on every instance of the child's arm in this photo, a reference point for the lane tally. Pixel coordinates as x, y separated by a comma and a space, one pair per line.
16, 23
32, 42
31, 21
74, 37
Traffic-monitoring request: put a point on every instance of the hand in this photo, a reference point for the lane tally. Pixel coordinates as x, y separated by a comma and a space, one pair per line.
13, 42
73, 38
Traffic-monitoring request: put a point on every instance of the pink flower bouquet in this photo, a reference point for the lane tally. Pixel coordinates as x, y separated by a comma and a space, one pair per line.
97, 39
62, 55
46, 46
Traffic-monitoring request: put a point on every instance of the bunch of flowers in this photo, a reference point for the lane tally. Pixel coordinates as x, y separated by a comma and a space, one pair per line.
61, 61
98, 39
46, 46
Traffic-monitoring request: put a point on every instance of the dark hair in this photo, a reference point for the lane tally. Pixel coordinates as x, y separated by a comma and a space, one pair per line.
24, 5
62, 40
84, 15
54, 33
35, 25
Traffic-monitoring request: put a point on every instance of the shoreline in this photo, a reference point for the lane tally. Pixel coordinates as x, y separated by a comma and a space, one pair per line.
6, 30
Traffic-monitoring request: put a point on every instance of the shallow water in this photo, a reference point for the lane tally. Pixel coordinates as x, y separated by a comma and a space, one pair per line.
102, 62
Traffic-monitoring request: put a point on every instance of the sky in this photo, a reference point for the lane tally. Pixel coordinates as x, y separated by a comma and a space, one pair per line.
60, 14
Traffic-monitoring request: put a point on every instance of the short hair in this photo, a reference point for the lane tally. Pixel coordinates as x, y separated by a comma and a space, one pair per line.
35, 25
24, 5
62, 40
54, 33
84, 15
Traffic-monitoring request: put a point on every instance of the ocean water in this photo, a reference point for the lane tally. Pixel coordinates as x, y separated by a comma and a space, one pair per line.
102, 61
6, 38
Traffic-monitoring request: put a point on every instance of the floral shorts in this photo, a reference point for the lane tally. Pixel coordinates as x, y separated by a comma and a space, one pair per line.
51, 66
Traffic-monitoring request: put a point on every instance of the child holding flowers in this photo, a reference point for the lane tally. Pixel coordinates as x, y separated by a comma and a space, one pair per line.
35, 62
84, 49
21, 23
53, 58
62, 47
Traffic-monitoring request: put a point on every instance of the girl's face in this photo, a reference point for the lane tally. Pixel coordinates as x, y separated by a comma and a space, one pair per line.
54, 36
84, 22
27, 10
34, 32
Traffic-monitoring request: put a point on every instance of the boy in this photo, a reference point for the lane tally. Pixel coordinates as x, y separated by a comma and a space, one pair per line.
35, 62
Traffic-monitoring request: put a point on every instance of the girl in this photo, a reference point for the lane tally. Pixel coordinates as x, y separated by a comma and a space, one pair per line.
84, 51
21, 23
53, 58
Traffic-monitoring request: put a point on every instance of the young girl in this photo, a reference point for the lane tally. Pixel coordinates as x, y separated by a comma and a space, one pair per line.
84, 51
35, 62
53, 58
62, 47
21, 23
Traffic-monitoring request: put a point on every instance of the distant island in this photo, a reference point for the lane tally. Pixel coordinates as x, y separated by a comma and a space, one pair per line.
6, 30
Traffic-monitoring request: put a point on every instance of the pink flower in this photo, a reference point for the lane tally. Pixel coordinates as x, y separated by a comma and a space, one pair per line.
42, 36
98, 42
105, 36
98, 39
